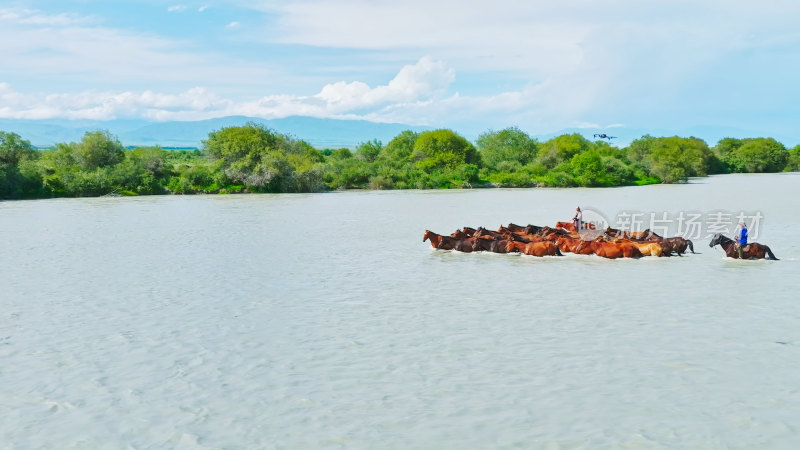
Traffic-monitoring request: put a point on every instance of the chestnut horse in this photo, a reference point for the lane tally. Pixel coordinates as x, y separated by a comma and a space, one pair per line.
545, 248
625, 234
570, 245
647, 248
569, 226
610, 250
435, 238
752, 250
440, 242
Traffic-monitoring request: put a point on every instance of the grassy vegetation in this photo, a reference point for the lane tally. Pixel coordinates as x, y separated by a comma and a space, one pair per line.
252, 158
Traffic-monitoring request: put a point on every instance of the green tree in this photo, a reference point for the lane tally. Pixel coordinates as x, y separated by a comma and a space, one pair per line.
144, 171
443, 149
757, 155
98, 149
794, 159
504, 146
562, 148
263, 159
369, 151
16, 152
671, 159
401, 146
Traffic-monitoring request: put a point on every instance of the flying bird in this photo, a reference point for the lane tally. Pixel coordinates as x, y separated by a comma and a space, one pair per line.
604, 136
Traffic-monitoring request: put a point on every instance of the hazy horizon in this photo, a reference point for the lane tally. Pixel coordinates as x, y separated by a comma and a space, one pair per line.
470, 67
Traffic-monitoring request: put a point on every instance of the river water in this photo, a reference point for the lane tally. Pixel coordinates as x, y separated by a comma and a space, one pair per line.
324, 321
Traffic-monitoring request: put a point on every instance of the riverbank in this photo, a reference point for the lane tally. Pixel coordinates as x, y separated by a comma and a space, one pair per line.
255, 159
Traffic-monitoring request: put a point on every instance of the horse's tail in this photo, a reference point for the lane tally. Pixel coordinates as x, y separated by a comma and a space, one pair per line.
770, 254
691, 245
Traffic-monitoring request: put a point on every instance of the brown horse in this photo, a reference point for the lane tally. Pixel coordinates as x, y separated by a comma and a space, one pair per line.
625, 234
534, 248
469, 231
678, 244
569, 226
610, 250
458, 234
488, 244
459, 245
646, 248
481, 231
519, 229
552, 234
752, 250
434, 238
570, 245
514, 227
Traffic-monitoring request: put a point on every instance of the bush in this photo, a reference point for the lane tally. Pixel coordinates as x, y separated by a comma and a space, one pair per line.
753, 155
443, 149
671, 159
498, 149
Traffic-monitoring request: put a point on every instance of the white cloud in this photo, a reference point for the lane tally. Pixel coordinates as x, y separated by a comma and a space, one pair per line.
176, 8
233, 25
76, 48
202, 8
414, 88
614, 57
33, 17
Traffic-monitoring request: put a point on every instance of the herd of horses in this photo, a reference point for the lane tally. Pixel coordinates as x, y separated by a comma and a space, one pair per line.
563, 238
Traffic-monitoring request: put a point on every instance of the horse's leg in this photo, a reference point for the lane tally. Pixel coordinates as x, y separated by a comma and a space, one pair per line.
769, 252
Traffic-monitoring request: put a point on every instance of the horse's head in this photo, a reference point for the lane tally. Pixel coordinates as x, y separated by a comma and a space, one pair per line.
458, 235
511, 245
427, 235
716, 240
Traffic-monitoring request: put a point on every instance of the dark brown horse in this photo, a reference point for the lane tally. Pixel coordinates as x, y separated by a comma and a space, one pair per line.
469, 231
530, 229
481, 231
552, 234
677, 244
488, 244
515, 228
633, 235
752, 250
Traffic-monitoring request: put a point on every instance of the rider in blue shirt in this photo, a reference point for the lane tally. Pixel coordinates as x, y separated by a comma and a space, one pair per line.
741, 239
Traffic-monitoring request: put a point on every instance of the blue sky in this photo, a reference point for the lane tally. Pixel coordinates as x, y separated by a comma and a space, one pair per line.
469, 65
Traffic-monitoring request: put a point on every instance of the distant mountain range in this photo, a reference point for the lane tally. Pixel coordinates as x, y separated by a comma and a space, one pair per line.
321, 133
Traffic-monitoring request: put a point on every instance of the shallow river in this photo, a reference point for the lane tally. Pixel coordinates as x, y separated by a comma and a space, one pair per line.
324, 321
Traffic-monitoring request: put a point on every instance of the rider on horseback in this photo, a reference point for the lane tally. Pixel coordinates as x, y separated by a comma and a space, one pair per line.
578, 219
741, 239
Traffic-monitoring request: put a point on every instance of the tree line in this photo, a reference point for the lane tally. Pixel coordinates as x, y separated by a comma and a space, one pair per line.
252, 158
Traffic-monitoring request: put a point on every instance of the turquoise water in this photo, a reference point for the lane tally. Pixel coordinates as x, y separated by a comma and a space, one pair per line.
324, 321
